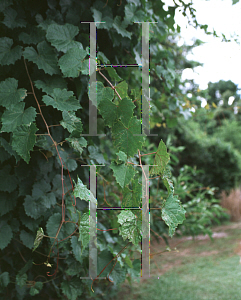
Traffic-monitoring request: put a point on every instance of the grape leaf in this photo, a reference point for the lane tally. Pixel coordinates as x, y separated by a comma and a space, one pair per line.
53, 226
122, 89
24, 140
75, 244
61, 36
132, 198
161, 159
82, 192
62, 100
6, 234
71, 62
85, 221
45, 58
4, 280
8, 56
120, 27
71, 289
123, 173
9, 94
71, 122
34, 36
95, 92
34, 290
77, 143
38, 239
11, 20
33, 207
129, 228
122, 156
8, 183
49, 83
9, 149
173, 213
112, 73
69, 163
27, 239
124, 137
112, 112
166, 177
8, 202
17, 116
95, 154
21, 279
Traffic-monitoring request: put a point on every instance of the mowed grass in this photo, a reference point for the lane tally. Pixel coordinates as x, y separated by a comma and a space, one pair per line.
200, 270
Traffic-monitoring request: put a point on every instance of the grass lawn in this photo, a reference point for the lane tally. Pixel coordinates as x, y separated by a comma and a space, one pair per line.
202, 269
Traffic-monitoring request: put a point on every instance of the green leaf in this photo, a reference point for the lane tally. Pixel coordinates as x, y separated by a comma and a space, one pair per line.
161, 159
4, 280
34, 290
122, 89
120, 27
45, 58
166, 177
76, 247
71, 63
49, 83
9, 94
118, 274
72, 123
77, 143
124, 138
111, 112
6, 234
129, 227
82, 192
95, 154
5, 4
41, 189
24, 140
113, 74
8, 56
34, 36
38, 239
33, 207
123, 173
8, 201
9, 149
53, 225
72, 289
61, 36
132, 198
104, 263
173, 213
62, 100
11, 19
27, 239
8, 183
69, 163
96, 88
84, 229
122, 156
21, 279
17, 116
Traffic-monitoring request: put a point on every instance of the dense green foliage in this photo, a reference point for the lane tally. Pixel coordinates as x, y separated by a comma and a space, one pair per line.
44, 111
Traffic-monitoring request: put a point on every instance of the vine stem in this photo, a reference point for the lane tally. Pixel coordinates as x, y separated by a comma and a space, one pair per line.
113, 88
61, 162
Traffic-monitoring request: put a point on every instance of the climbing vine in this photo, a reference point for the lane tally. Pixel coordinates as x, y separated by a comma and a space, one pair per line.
45, 148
